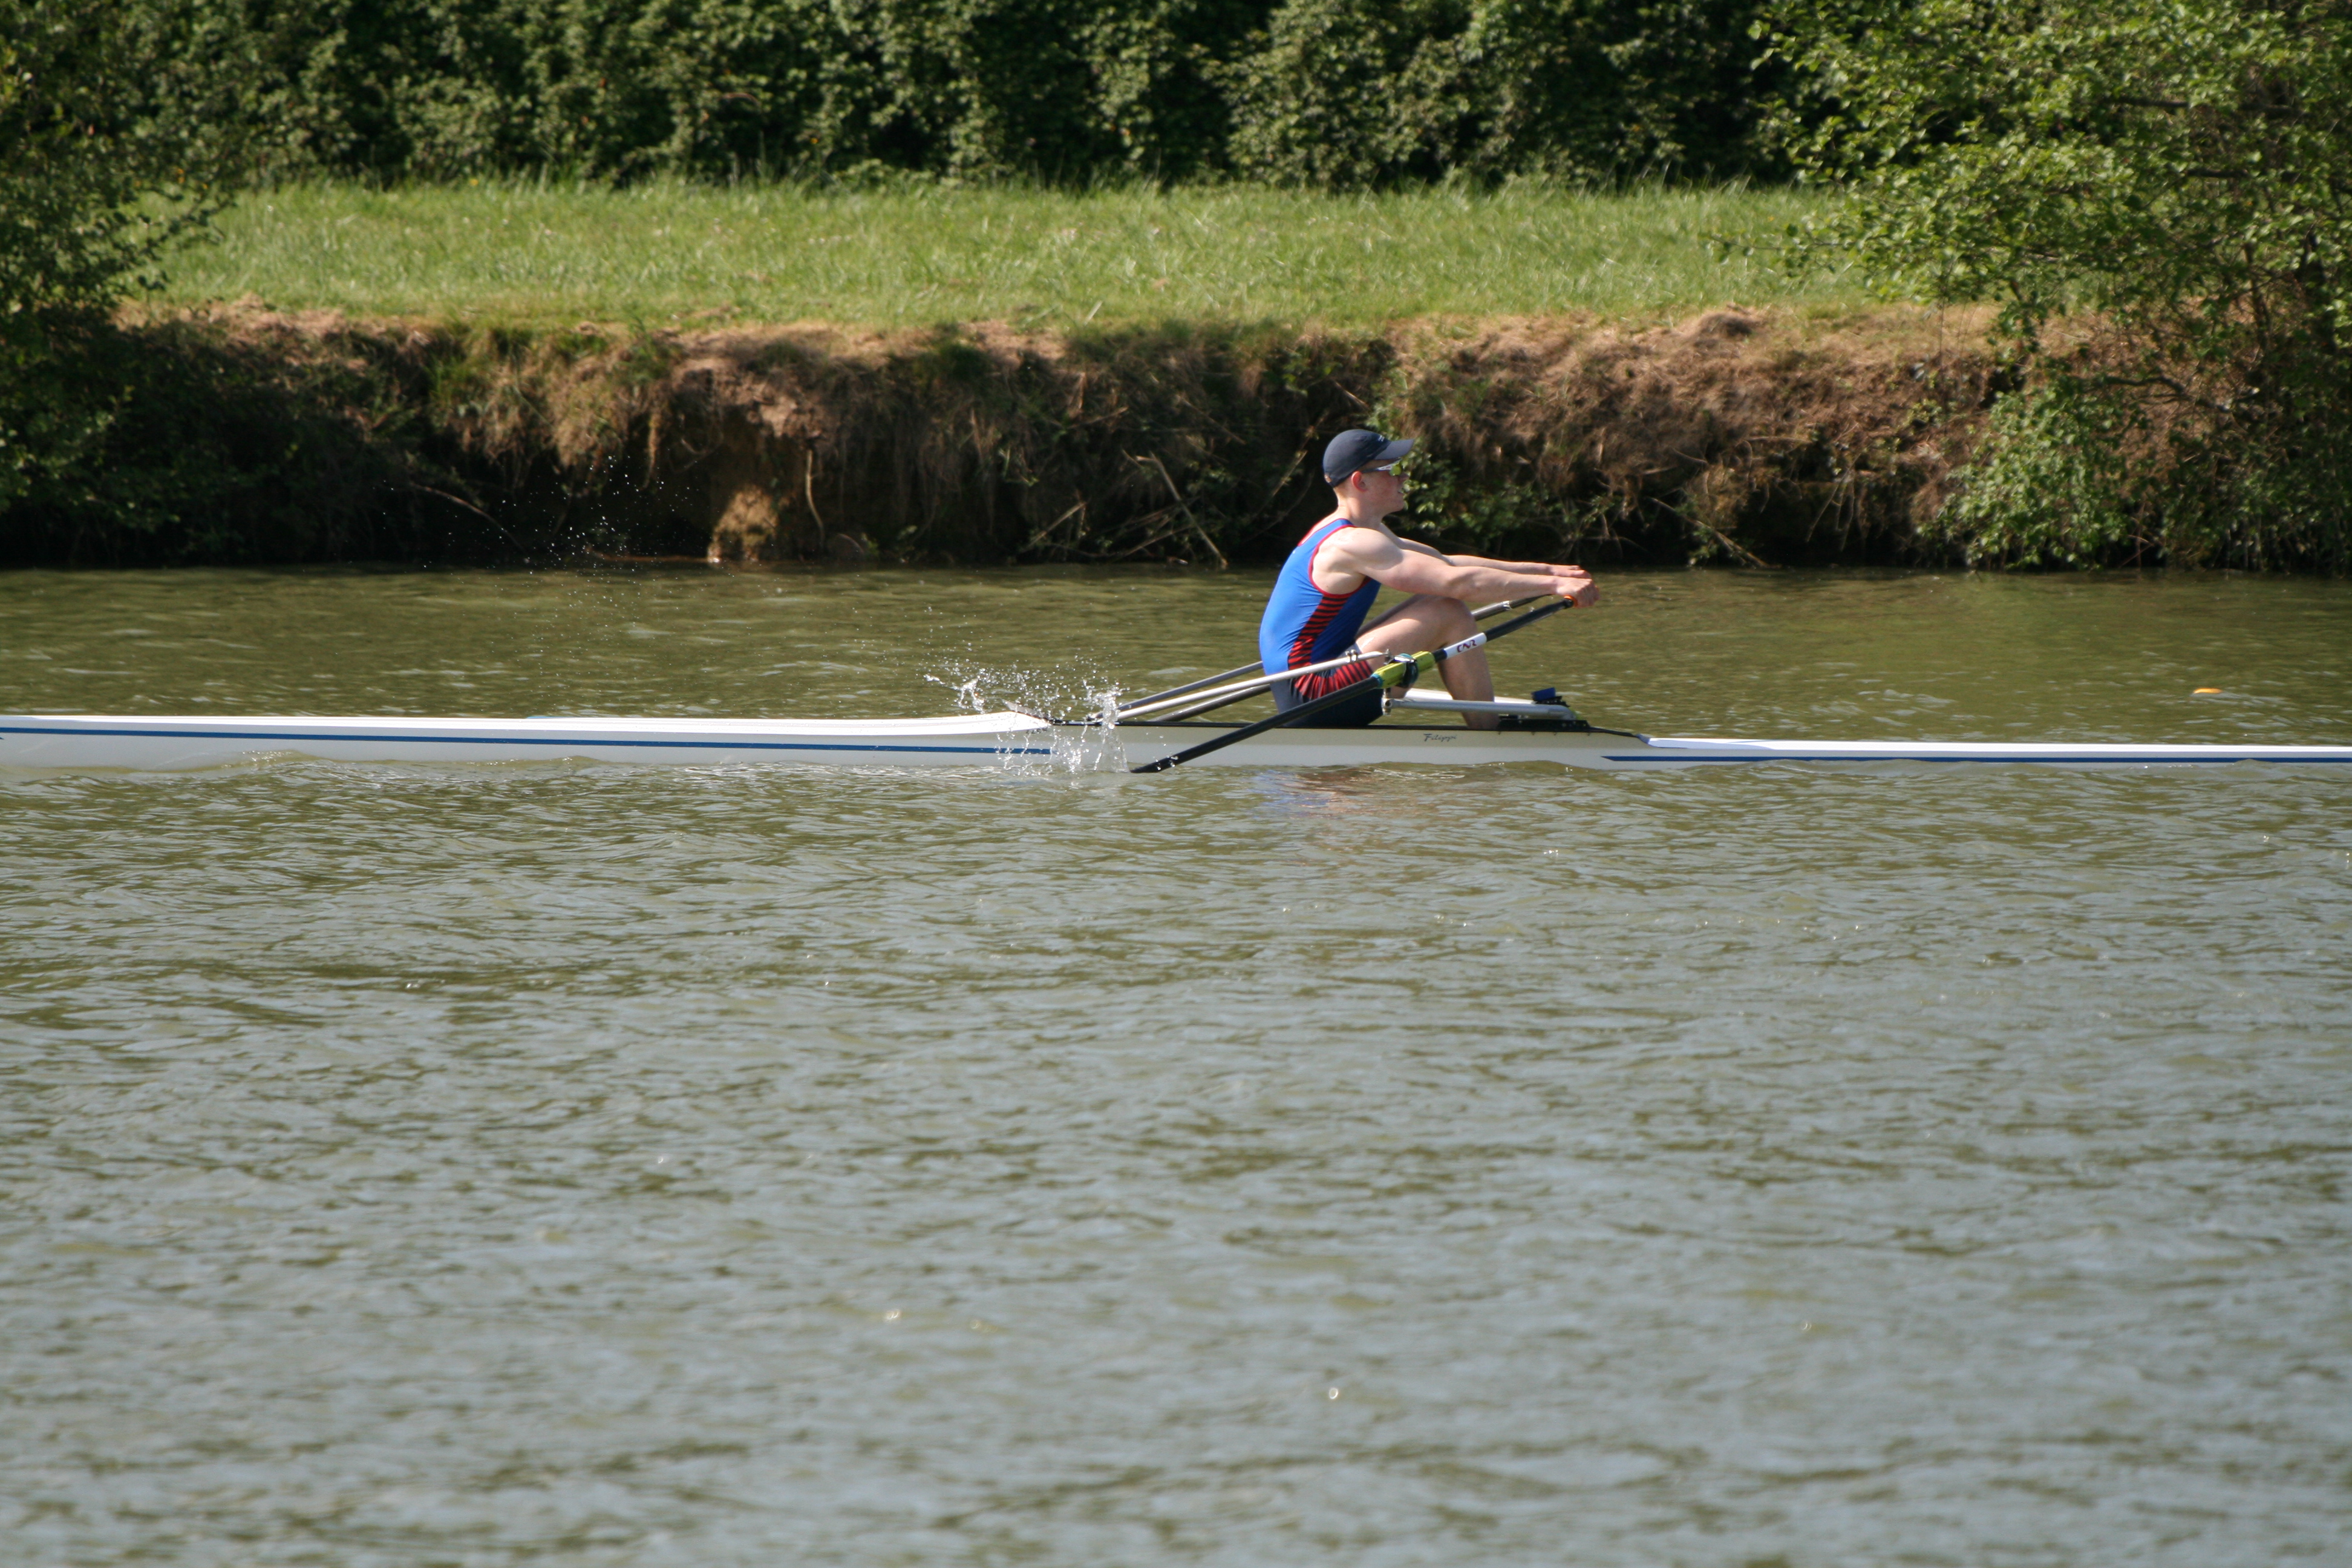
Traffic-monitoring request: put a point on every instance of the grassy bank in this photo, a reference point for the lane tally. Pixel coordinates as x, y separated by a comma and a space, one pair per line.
526, 370
677, 254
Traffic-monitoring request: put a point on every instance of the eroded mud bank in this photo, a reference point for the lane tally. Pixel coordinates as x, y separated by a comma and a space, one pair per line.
1736, 435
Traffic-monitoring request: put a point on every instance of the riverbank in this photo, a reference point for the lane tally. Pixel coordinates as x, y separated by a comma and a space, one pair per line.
533, 370
1781, 436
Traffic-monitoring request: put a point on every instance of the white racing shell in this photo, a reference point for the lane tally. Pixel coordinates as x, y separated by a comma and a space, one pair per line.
994, 740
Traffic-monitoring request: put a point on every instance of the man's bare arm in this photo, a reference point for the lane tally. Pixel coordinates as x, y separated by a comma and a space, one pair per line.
1535, 566
1411, 567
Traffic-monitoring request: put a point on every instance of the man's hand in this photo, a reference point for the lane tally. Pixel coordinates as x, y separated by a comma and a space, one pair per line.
1574, 584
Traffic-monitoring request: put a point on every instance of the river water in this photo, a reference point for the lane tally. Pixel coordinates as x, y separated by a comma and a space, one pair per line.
581, 1164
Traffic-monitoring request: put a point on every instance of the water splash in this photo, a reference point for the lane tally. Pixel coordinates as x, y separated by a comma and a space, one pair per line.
1042, 694
968, 699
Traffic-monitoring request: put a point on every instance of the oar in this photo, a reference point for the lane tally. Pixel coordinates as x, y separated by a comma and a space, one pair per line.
1396, 672
1185, 690
1218, 697
1260, 680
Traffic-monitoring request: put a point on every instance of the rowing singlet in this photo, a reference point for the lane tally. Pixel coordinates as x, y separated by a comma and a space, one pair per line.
1304, 624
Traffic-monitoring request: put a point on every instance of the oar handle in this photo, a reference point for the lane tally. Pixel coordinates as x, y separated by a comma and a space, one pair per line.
1395, 672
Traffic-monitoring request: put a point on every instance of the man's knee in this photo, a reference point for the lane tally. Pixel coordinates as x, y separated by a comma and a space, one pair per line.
1423, 623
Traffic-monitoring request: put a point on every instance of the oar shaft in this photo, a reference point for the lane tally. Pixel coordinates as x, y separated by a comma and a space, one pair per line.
1240, 688
1189, 688
1206, 701
1194, 709
1394, 673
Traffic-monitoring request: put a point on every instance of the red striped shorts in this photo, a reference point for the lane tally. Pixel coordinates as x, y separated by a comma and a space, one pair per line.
1346, 715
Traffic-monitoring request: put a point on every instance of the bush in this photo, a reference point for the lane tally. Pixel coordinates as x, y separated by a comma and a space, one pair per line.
1332, 93
168, 442
110, 150
2158, 194
111, 147
1597, 90
2053, 486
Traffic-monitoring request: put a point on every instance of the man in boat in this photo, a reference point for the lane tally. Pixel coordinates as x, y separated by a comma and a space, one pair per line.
1324, 589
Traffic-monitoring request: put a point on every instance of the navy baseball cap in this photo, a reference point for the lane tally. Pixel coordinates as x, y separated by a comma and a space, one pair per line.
1352, 449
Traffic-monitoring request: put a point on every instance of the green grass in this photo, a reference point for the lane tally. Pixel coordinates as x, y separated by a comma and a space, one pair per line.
534, 253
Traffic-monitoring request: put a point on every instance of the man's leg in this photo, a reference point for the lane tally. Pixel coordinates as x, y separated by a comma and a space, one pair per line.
1424, 622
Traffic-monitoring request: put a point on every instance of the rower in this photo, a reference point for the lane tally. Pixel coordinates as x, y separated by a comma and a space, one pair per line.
1328, 585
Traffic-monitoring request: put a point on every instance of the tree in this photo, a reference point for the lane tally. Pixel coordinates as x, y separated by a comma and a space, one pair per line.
111, 150
106, 156
2158, 195
1350, 93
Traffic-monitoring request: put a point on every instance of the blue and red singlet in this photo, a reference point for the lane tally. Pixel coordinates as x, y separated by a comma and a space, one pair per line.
1304, 624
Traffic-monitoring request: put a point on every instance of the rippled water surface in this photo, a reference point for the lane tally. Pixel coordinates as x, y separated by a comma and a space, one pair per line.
579, 1164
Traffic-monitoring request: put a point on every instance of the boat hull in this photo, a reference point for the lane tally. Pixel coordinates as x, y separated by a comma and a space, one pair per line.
995, 741
989, 739
1384, 744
